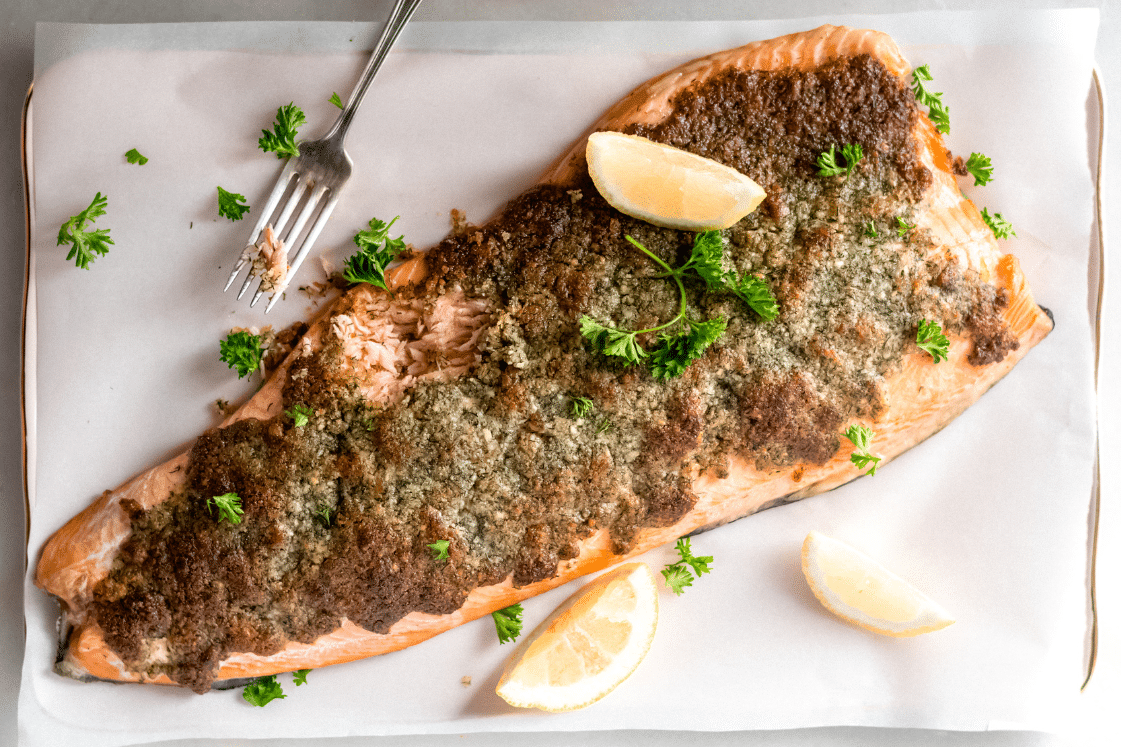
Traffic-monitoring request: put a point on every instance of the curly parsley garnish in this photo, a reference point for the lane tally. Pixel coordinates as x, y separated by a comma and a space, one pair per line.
299, 414
375, 251
939, 112
228, 505
84, 244
300, 676
582, 407
508, 623
242, 351
903, 227
1001, 228
861, 437
439, 549
282, 140
336, 100
677, 574
980, 167
230, 204
827, 165
931, 339
133, 156
674, 352
262, 691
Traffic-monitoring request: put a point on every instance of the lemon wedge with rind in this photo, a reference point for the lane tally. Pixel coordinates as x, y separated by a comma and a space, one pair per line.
853, 586
587, 646
667, 186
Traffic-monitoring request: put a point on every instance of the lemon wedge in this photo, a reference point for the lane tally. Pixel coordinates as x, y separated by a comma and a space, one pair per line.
857, 588
589, 645
667, 186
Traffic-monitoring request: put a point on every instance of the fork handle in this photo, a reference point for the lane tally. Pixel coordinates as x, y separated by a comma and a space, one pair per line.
398, 17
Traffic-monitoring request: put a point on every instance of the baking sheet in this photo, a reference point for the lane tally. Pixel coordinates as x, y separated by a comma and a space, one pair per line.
989, 516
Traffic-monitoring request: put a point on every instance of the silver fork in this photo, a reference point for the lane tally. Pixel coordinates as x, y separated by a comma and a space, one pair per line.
320, 171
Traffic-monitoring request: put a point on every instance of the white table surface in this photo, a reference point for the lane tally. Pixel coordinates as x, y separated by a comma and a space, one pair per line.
1096, 722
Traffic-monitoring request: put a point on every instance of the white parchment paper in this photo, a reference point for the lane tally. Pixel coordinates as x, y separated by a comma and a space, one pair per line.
990, 516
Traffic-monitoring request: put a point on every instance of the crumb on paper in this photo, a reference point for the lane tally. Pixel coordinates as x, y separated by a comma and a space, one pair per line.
223, 406
466, 681
459, 222
328, 266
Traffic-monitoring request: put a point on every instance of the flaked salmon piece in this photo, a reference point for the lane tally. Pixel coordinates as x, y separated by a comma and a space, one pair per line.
394, 350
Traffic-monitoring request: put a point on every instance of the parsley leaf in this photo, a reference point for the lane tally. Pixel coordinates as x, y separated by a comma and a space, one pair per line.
677, 574
262, 691
861, 437
870, 229
242, 351
939, 112
604, 426
755, 293
375, 251
827, 164
84, 244
617, 343
282, 140
439, 549
677, 578
299, 413
582, 406
675, 352
133, 156
323, 513
229, 204
336, 100
980, 167
300, 676
904, 227
508, 623
228, 505
931, 339
1001, 228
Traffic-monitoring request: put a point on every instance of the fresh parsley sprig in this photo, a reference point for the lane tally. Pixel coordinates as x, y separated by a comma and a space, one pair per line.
230, 204
508, 623
870, 229
678, 575
827, 165
335, 99
861, 437
930, 338
980, 168
282, 139
300, 676
262, 691
299, 414
674, 352
375, 251
582, 407
85, 244
1001, 228
228, 505
939, 112
439, 549
242, 351
134, 156
903, 226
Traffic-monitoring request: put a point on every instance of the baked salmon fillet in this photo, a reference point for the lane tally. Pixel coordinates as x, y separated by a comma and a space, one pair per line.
443, 411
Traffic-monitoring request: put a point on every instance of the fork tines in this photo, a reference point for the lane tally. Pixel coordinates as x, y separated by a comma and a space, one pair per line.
270, 241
